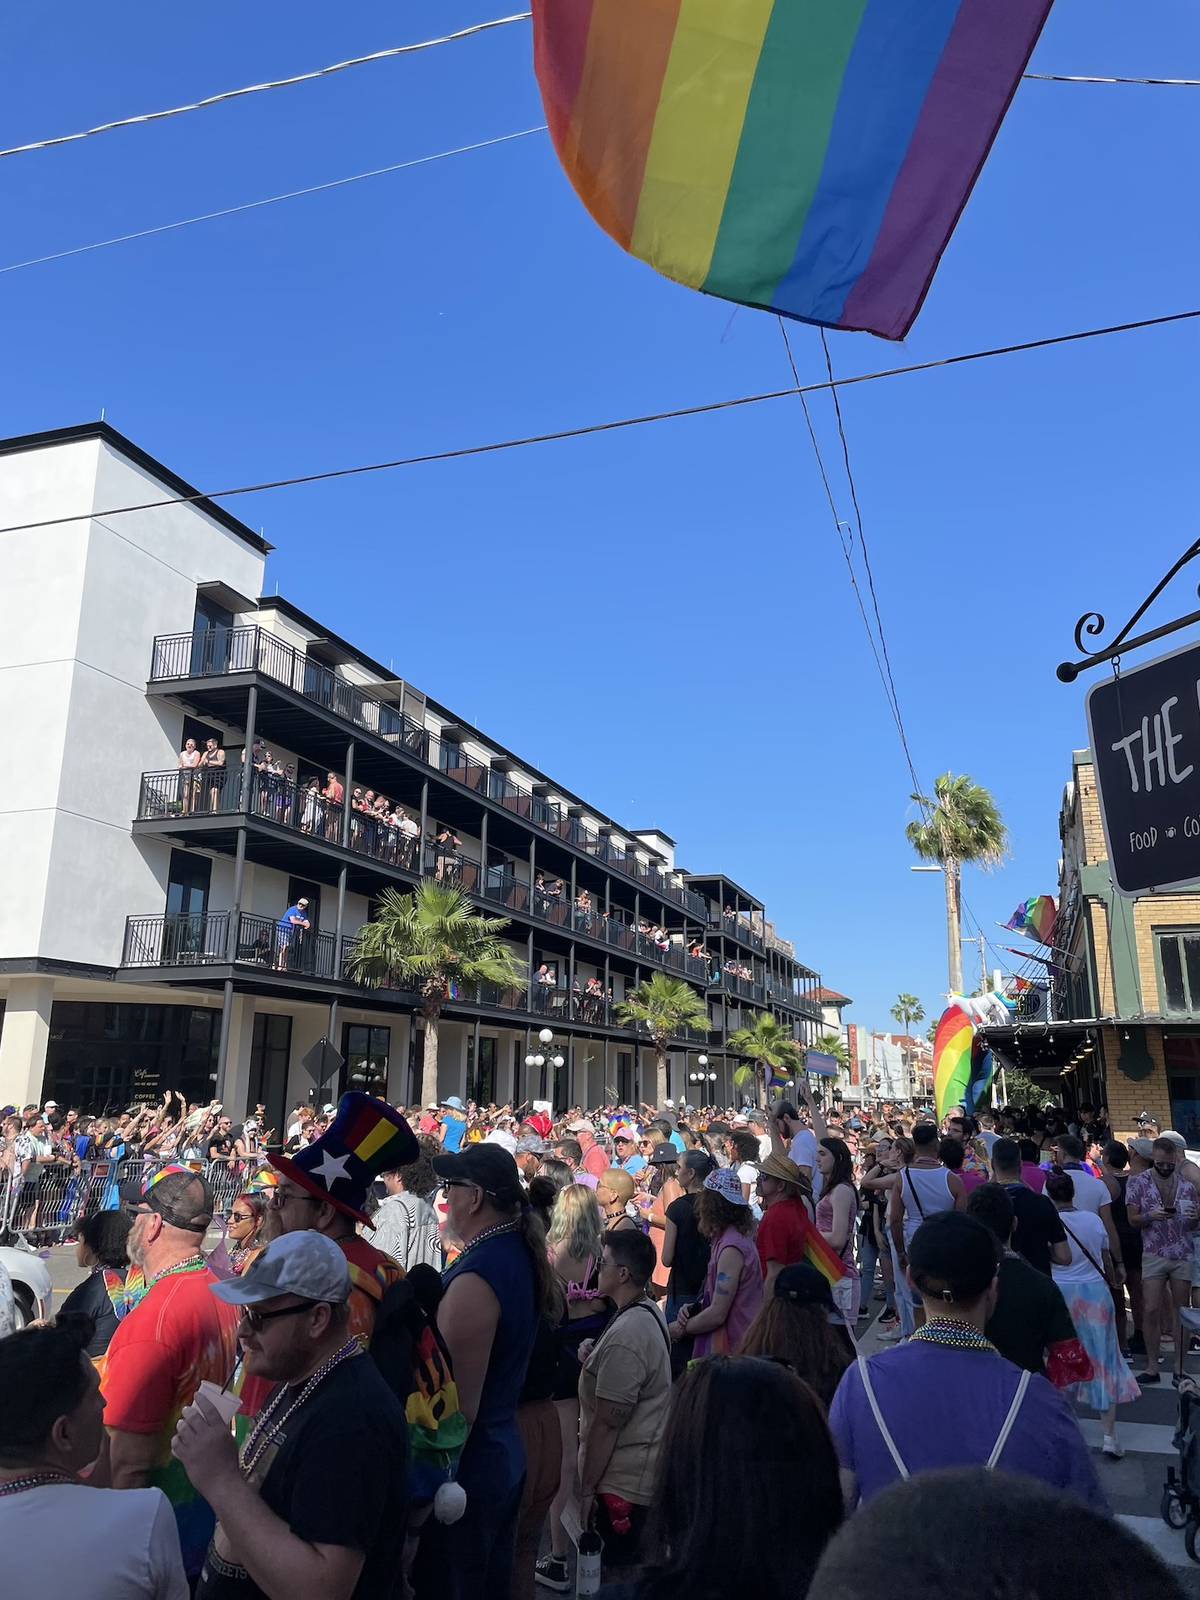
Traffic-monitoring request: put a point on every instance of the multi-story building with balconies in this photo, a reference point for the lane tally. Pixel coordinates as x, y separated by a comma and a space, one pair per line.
140, 939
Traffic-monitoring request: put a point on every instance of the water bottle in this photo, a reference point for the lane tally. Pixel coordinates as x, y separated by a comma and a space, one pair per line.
587, 1567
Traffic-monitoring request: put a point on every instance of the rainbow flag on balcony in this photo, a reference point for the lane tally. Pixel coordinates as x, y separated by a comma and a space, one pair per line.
810, 157
1035, 918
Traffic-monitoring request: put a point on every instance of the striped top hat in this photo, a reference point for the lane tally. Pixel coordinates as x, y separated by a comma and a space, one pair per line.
365, 1138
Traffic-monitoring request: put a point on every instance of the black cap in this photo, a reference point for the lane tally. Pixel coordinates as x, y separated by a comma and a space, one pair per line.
953, 1257
802, 1285
665, 1155
488, 1165
182, 1198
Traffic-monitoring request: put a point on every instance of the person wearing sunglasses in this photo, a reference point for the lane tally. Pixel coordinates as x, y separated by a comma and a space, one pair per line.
245, 1236
316, 1503
175, 1338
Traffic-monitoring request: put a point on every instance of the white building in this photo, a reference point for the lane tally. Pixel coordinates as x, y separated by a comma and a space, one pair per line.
139, 947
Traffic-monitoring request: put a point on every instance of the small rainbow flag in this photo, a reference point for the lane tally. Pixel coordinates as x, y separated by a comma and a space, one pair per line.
952, 1059
810, 157
1035, 918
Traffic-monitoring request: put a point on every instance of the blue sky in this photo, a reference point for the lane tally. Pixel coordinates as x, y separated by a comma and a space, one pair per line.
661, 618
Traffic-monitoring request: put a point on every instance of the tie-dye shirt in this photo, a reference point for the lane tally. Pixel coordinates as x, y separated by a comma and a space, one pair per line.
179, 1335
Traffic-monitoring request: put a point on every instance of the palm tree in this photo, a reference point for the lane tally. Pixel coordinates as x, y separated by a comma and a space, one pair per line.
664, 1007
771, 1048
962, 827
428, 940
832, 1044
907, 1010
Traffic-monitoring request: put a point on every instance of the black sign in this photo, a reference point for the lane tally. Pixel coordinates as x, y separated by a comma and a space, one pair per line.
1145, 733
322, 1063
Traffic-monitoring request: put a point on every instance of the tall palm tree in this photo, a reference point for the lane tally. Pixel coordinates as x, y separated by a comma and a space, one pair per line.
664, 1007
428, 940
961, 827
907, 1010
770, 1046
832, 1044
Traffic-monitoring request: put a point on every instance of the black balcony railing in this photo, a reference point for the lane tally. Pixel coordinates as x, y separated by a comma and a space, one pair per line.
176, 940
218, 652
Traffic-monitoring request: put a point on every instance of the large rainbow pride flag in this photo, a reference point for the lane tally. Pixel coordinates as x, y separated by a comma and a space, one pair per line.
962, 1069
810, 157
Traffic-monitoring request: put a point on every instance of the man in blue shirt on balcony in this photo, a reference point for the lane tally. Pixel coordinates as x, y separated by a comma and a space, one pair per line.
290, 931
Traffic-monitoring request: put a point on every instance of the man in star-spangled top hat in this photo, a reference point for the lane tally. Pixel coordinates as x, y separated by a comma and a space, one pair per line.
325, 1185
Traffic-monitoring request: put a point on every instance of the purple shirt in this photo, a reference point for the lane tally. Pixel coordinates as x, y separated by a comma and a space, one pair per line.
586, 1179
1172, 1238
945, 1408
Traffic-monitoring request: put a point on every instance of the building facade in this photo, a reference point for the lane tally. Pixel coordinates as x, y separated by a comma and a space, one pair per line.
141, 942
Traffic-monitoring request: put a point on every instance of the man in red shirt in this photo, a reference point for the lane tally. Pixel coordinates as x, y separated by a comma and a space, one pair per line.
178, 1336
595, 1160
782, 1189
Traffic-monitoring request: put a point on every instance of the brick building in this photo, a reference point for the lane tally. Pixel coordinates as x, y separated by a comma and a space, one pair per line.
1124, 1025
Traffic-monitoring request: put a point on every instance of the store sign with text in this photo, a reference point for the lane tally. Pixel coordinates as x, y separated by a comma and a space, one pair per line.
1145, 734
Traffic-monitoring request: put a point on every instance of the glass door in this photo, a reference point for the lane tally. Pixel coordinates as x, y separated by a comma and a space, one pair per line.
366, 1050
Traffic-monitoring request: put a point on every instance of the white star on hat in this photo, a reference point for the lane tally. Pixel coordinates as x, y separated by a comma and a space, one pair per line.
331, 1168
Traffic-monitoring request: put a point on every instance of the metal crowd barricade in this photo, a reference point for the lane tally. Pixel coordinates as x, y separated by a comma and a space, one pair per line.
49, 1205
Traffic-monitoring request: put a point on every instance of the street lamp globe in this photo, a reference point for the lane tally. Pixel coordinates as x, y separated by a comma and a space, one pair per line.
546, 1035
539, 1060
558, 1061
712, 1077
531, 1061
701, 1061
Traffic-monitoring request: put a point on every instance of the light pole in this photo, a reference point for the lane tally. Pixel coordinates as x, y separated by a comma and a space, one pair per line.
545, 1038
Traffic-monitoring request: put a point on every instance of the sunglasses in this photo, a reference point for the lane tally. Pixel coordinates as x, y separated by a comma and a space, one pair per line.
257, 1320
241, 1216
461, 1183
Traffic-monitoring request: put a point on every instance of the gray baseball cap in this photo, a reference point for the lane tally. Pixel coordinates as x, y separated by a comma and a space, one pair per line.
306, 1264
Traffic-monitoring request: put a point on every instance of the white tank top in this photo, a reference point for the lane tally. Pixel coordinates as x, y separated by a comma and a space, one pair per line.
925, 1191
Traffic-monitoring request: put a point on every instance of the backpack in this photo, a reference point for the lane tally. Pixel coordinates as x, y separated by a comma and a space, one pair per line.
413, 1360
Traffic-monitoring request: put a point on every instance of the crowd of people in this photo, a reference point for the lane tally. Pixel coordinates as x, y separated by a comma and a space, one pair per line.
435, 1353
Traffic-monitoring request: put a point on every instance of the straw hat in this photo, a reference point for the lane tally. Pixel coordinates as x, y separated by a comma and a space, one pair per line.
781, 1167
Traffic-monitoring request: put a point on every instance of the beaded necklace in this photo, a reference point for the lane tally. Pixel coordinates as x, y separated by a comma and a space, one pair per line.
493, 1232
952, 1335
36, 1480
267, 1427
195, 1263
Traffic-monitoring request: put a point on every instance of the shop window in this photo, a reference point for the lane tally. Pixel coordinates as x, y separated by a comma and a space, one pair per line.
270, 1053
1179, 971
366, 1051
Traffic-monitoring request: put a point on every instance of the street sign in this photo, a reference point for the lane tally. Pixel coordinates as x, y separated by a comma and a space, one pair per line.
1144, 727
322, 1063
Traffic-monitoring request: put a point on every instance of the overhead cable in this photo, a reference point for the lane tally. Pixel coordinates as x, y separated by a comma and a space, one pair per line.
616, 425
1158, 83
271, 200
262, 88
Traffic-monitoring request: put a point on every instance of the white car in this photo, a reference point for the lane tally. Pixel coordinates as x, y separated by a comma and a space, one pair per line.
31, 1289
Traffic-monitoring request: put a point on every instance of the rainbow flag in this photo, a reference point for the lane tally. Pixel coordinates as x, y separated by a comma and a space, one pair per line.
819, 1253
952, 1059
810, 157
1035, 918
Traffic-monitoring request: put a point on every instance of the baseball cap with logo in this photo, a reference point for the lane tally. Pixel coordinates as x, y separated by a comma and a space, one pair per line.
181, 1198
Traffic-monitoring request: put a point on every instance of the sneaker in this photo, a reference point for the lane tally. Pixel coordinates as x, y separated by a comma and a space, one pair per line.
551, 1573
889, 1319
1148, 1378
1194, 1344
1110, 1447
863, 1313
890, 1335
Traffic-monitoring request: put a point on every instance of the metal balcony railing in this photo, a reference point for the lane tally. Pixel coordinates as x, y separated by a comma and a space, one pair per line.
183, 939
218, 652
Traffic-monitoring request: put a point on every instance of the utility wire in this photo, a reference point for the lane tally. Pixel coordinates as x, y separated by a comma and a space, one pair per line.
866, 555
837, 524
1163, 83
616, 425
271, 200
261, 88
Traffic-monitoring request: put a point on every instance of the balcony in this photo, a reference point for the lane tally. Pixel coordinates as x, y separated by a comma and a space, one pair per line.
201, 793
221, 652
743, 988
184, 940
734, 927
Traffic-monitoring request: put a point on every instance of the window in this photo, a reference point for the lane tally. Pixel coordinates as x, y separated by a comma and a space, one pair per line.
103, 1057
481, 1073
1179, 971
625, 1077
210, 637
366, 1050
270, 1052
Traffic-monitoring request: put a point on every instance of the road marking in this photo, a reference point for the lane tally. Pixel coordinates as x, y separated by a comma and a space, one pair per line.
1165, 1542
1140, 1438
